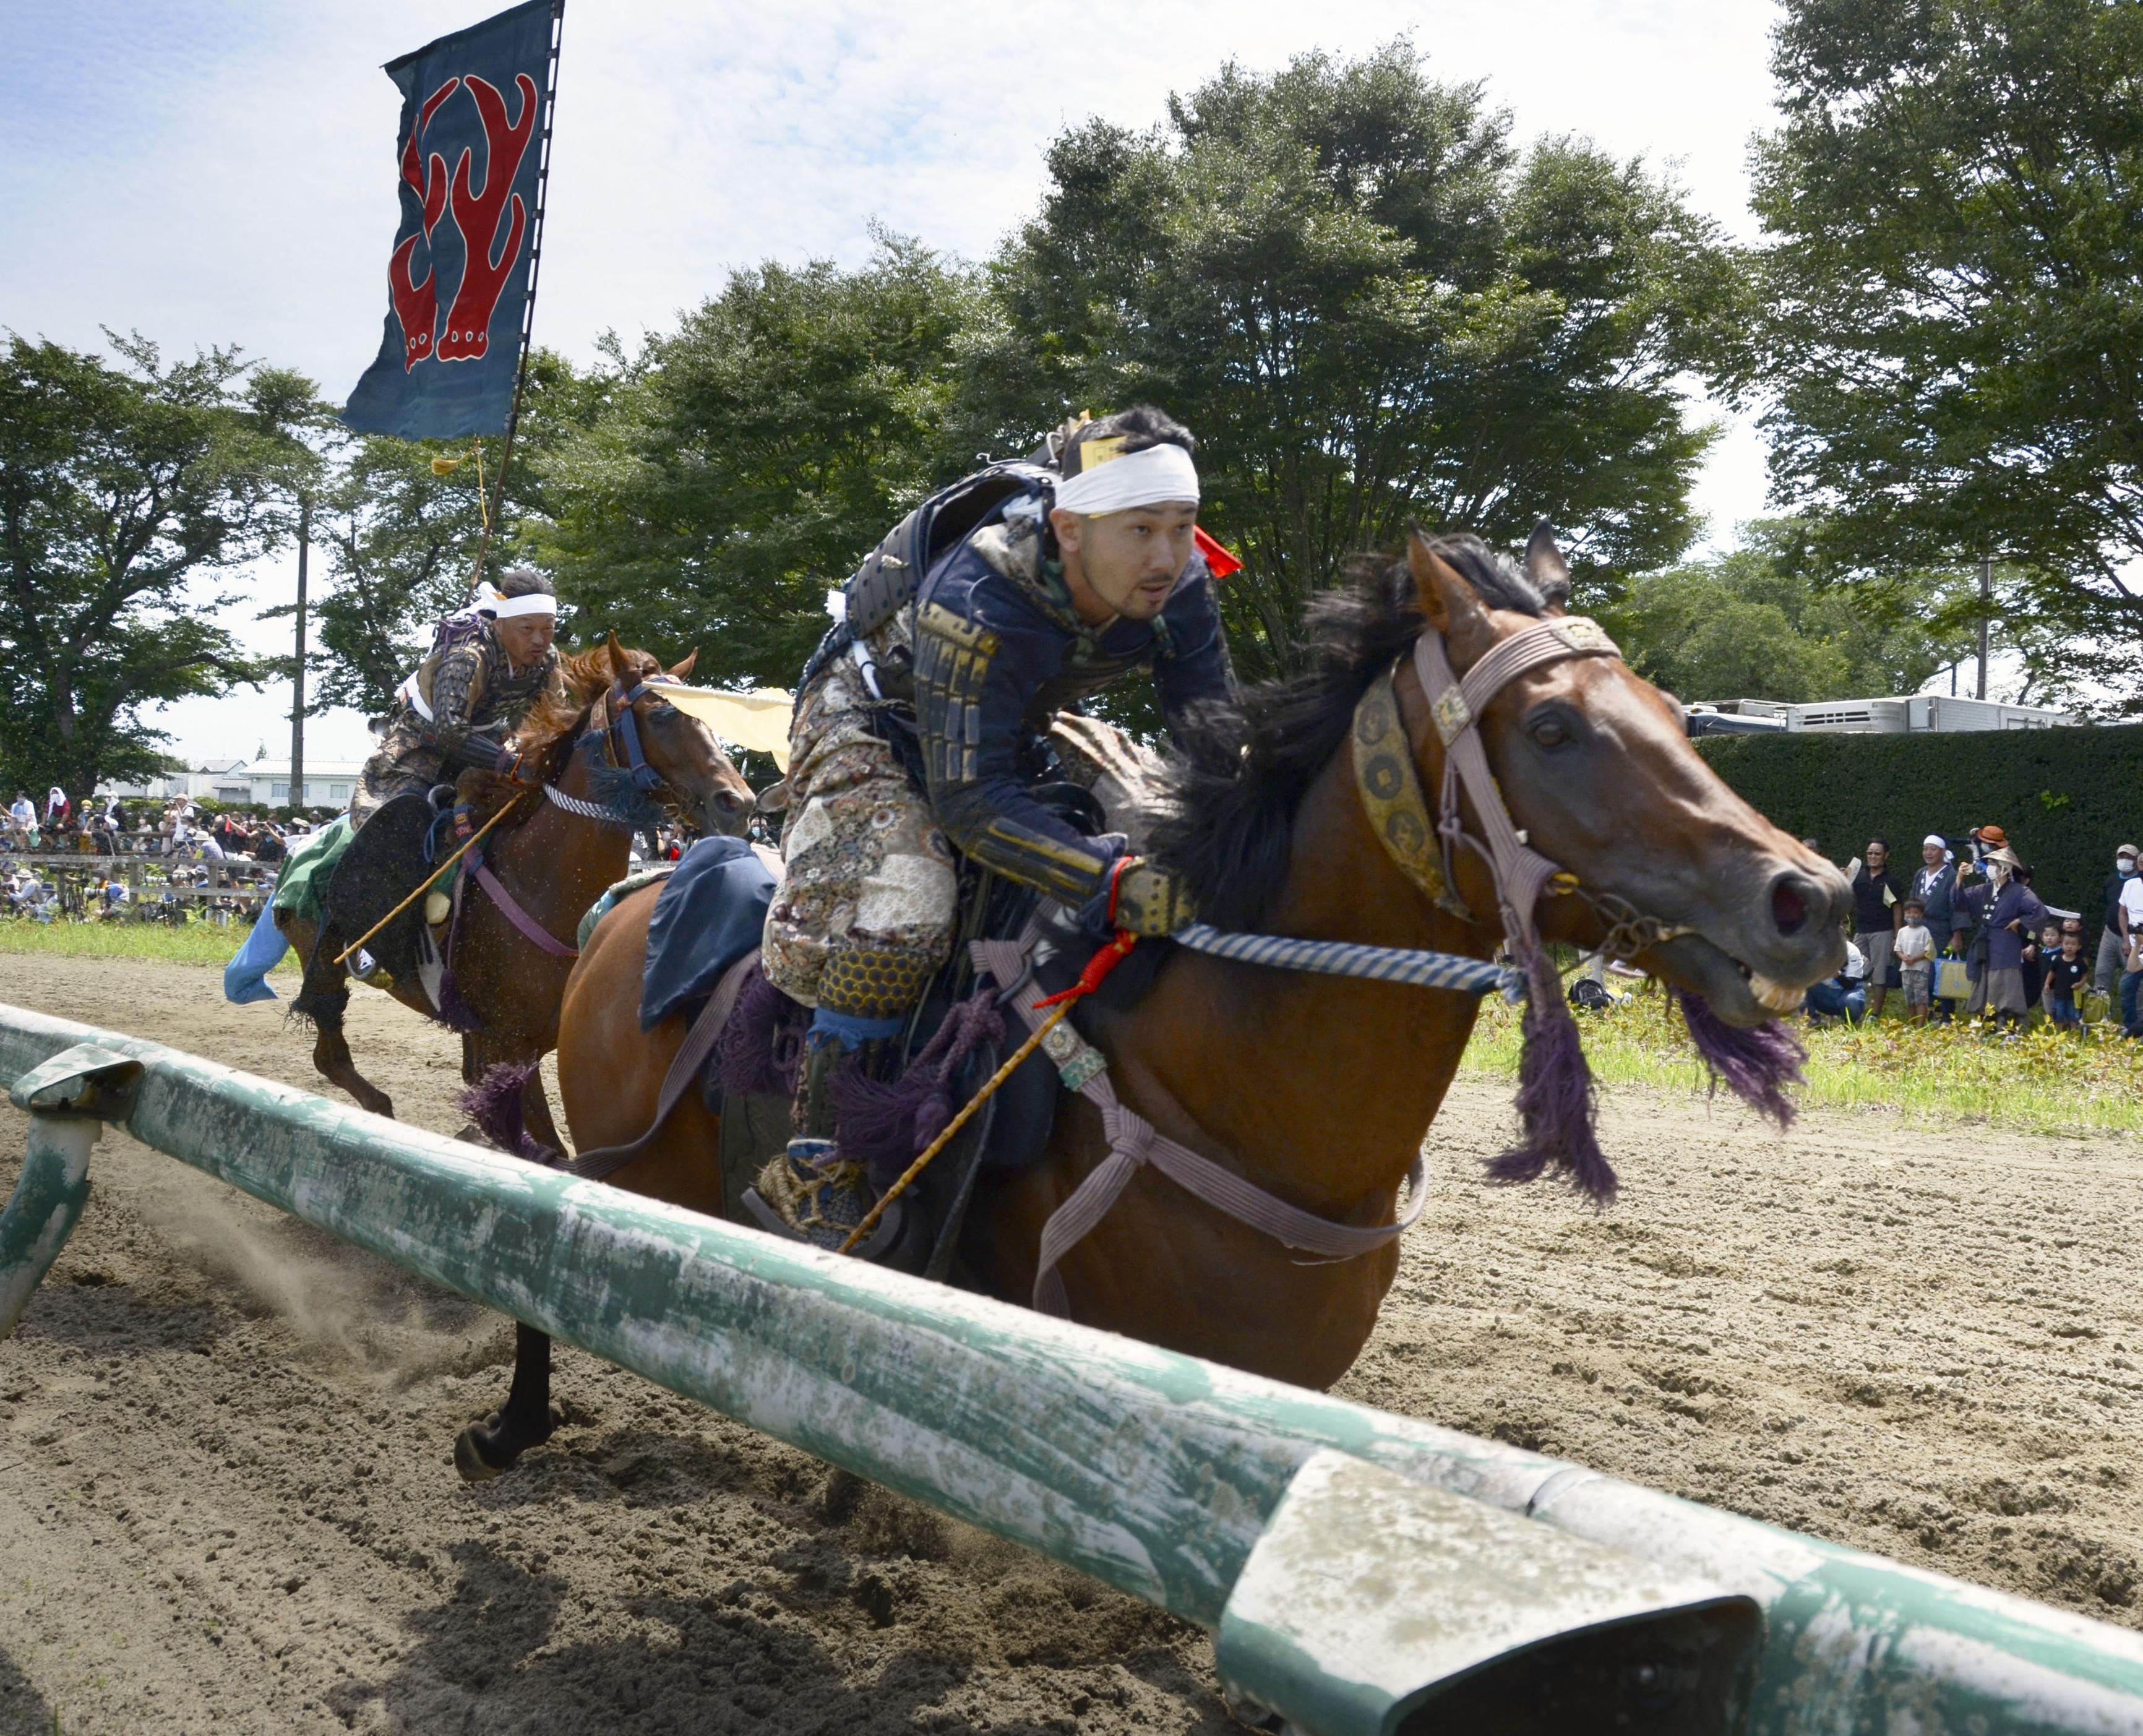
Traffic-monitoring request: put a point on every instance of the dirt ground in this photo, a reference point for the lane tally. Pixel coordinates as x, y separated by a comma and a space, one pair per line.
227, 1502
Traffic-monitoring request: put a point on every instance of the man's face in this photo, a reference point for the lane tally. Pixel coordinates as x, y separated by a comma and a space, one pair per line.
1932, 855
1877, 858
525, 637
1126, 563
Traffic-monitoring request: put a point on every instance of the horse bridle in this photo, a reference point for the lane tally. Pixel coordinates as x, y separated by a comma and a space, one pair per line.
1424, 848
620, 735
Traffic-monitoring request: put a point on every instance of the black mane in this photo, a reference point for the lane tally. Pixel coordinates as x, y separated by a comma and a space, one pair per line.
1243, 768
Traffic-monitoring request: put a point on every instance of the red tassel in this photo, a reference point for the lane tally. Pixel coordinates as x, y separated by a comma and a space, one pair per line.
1097, 970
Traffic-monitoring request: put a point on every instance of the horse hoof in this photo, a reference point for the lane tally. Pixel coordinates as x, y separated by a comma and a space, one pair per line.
478, 1453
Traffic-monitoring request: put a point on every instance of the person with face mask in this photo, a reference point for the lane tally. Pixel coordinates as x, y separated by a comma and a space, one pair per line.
2105, 968
2008, 913
919, 731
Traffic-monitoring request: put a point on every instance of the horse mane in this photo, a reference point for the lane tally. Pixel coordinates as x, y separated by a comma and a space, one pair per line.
552, 722
1242, 766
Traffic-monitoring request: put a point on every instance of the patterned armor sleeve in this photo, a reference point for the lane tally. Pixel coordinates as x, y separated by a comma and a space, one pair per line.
977, 670
454, 684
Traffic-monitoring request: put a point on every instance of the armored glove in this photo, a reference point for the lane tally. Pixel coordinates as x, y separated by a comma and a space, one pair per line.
1141, 897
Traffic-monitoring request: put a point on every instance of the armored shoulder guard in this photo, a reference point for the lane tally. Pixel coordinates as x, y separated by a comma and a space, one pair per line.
886, 582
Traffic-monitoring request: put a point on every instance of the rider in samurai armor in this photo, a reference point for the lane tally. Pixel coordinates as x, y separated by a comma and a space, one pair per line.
1015, 594
487, 666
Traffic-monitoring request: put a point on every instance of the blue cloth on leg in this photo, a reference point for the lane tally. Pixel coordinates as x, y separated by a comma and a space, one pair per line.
245, 977
710, 912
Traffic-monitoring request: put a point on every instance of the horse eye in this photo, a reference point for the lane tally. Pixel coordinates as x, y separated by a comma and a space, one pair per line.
1550, 732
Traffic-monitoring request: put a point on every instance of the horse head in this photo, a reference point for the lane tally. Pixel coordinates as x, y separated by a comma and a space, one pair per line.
679, 750
1595, 765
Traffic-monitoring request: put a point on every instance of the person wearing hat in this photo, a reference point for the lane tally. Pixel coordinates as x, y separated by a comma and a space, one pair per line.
2131, 947
1934, 887
2008, 913
2107, 967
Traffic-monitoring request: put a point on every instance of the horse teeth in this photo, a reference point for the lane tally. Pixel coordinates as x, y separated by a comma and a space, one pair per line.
1774, 997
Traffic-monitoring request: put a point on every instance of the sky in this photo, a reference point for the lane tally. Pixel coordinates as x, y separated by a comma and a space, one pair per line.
218, 174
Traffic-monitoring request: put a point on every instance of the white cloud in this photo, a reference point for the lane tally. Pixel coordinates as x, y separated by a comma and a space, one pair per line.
222, 173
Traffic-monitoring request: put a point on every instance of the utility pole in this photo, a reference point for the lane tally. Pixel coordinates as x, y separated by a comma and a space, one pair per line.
1986, 615
298, 676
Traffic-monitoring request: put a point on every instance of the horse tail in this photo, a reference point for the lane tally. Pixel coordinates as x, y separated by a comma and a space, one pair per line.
495, 1104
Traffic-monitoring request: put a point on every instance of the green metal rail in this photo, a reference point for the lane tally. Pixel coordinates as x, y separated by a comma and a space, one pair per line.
1218, 1495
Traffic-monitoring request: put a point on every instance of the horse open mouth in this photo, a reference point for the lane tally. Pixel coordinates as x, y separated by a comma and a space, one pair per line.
1741, 996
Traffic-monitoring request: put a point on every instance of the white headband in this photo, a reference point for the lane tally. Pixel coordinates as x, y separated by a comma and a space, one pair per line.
1137, 479
1940, 843
536, 602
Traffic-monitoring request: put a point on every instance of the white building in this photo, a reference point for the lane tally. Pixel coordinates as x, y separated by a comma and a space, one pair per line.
205, 779
329, 784
1919, 714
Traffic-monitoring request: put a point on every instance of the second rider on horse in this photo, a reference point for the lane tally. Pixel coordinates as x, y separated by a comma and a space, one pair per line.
489, 665
913, 735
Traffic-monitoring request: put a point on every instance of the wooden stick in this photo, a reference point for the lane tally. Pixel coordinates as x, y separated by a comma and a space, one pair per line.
430, 879
966, 1115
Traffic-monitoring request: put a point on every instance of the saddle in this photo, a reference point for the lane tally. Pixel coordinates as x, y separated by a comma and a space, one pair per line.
961, 1032
385, 861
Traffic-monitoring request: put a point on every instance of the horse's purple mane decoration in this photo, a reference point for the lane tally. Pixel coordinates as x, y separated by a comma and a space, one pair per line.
761, 1046
1557, 1106
1756, 1066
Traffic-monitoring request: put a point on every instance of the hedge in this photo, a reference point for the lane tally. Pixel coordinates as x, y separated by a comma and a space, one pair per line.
2066, 798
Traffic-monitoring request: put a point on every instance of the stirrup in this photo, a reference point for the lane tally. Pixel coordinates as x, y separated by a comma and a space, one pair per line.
810, 1194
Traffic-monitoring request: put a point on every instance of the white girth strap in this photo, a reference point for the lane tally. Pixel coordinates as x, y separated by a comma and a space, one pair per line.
1456, 705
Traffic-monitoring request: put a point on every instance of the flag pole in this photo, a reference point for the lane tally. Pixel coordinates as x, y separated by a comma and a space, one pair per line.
528, 306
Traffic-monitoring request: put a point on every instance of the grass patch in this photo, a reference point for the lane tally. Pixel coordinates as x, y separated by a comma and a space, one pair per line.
211, 944
2044, 1080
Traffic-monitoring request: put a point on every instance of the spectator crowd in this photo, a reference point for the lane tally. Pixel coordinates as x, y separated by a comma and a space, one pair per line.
1963, 932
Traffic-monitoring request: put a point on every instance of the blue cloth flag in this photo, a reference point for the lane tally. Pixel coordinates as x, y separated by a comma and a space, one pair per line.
245, 977
475, 111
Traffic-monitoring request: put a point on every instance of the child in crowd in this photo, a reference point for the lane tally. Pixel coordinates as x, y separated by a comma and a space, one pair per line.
2067, 970
2037, 955
1915, 950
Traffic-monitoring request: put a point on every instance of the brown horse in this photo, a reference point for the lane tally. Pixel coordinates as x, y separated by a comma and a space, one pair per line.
1318, 1089
554, 863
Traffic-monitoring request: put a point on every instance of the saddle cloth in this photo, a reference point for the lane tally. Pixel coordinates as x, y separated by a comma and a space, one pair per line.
710, 913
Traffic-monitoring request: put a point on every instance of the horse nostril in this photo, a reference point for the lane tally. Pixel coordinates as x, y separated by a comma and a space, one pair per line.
1789, 909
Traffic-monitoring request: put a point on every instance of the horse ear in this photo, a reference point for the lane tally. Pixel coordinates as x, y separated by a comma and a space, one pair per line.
1547, 568
1446, 598
685, 668
620, 664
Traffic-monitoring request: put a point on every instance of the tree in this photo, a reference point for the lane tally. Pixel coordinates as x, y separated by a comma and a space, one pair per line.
1372, 308
401, 522
1758, 624
121, 487
742, 465
1954, 353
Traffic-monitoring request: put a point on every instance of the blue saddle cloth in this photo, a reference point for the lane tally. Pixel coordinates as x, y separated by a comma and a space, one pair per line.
710, 913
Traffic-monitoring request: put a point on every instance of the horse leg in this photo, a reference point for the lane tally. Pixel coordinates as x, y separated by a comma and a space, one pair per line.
527, 1419
323, 998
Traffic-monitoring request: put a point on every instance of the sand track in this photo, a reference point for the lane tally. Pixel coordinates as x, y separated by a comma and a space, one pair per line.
227, 1503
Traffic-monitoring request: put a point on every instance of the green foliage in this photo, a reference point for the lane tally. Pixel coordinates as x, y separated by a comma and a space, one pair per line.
193, 942
1755, 624
742, 465
1372, 308
2048, 1081
1954, 347
2067, 797
120, 487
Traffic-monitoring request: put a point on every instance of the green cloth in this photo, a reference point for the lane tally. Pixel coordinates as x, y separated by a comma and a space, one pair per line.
624, 888
298, 886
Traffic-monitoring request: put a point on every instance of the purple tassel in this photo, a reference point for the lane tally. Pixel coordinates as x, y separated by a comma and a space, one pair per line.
1756, 1066
884, 1126
494, 1104
761, 1047
455, 1013
1556, 1103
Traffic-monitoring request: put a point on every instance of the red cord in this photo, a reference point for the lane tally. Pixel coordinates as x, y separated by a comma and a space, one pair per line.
1108, 959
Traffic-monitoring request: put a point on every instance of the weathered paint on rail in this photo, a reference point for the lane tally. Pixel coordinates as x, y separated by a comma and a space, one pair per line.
1153, 1472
